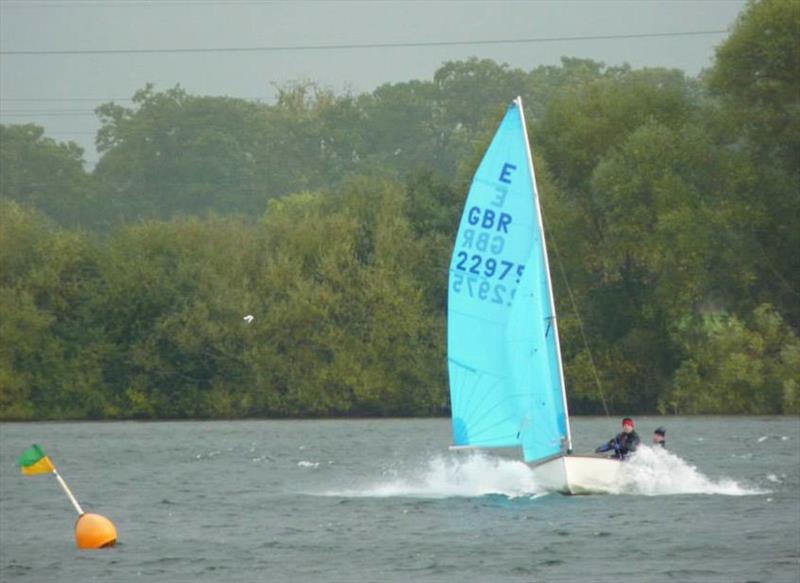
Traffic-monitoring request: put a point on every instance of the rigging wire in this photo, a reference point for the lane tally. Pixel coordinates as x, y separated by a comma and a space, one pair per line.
580, 325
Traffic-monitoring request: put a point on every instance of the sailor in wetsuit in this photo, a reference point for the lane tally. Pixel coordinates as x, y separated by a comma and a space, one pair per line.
660, 437
624, 443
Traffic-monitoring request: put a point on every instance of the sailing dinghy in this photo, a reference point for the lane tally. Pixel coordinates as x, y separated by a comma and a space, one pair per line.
504, 360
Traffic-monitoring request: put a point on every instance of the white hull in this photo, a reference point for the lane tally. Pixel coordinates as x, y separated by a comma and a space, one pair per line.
579, 474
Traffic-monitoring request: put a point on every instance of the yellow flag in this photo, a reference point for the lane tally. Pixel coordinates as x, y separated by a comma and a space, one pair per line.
34, 461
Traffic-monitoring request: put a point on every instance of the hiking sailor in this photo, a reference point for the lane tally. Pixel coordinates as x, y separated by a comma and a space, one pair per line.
659, 436
624, 443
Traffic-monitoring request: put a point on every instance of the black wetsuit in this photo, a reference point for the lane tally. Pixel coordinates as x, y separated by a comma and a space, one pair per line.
622, 445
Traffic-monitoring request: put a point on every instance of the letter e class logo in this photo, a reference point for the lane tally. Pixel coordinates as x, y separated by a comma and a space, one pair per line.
505, 173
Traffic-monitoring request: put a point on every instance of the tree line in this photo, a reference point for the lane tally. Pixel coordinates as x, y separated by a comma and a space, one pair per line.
672, 207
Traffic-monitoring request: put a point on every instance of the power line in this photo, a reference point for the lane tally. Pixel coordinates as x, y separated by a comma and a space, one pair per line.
26, 5
48, 114
356, 46
57, 99
70, 133
90, 99
26, 111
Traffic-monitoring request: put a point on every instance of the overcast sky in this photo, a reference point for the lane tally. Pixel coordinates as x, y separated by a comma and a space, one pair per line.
59, 91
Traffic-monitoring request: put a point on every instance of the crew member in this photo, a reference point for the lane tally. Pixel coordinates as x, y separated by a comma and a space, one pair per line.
624, 443
659, 436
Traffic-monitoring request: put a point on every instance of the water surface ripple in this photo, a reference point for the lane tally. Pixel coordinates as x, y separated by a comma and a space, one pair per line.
384, 500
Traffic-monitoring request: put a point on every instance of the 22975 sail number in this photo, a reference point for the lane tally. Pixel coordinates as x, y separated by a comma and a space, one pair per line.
483, 290
490, 267
477, 272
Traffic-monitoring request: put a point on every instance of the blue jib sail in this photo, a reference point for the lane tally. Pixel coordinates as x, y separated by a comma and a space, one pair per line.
506, 386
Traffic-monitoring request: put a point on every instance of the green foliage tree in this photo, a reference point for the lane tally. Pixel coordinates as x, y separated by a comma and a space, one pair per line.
173, 153
177, 154
618, 148
49, 365
756, 80
173, 301
345, 329
670, 212
755, 71
587, 120
736, 367
310, 139
40, 173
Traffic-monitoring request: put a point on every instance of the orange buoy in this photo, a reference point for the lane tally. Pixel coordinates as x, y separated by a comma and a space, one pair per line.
93, 531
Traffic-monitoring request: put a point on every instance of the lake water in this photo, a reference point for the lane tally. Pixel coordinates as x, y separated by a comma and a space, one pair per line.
384, 500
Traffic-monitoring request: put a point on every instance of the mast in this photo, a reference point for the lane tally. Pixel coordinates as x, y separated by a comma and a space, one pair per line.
518, 102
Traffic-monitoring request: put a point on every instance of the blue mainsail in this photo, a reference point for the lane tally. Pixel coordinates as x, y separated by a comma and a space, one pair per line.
506, 381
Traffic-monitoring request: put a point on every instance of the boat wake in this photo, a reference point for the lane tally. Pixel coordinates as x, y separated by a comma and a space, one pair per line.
471, 475
658, 472
650, 472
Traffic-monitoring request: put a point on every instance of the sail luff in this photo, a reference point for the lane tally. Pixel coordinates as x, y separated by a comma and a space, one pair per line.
538, 207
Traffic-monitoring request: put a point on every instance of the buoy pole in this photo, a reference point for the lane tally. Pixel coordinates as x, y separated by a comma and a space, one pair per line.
70, 495
92, 531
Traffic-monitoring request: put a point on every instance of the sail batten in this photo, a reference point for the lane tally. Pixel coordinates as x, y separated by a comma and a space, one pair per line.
506, 380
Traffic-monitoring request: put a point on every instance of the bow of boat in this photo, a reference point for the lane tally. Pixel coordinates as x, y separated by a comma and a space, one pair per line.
578, 474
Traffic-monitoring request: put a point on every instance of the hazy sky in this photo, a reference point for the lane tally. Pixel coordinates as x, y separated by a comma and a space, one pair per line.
60, 91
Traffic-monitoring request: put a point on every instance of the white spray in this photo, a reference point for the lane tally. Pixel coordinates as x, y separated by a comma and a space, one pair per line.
651, 472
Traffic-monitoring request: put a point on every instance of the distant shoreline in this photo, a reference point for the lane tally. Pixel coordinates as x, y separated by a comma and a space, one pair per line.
387, 418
